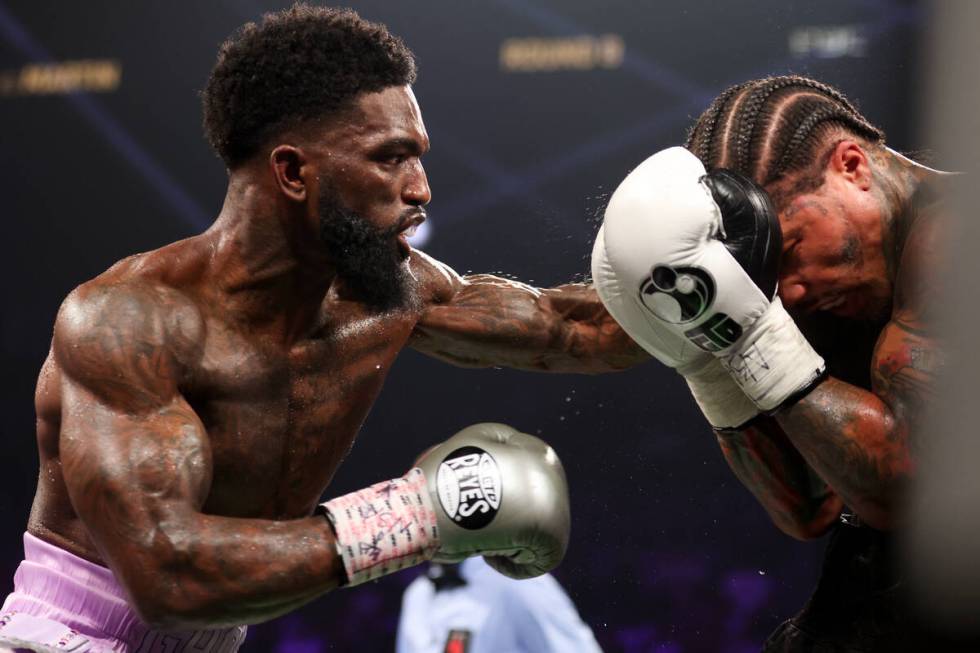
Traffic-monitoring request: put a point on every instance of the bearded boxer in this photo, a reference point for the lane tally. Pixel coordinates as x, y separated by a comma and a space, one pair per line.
792, 189
197, 399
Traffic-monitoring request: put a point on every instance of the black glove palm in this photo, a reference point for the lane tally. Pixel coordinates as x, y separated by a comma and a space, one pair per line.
752, 232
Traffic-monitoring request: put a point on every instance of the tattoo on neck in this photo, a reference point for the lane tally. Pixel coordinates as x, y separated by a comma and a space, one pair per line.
897, 183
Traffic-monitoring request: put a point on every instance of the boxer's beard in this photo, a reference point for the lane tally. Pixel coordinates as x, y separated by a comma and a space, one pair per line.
366, 258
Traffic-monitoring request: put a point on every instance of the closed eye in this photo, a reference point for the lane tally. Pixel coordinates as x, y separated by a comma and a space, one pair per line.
790, 250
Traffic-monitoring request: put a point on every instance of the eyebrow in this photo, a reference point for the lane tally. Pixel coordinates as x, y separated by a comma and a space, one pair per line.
402, 142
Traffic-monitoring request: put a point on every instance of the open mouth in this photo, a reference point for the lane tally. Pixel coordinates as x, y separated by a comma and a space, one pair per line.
406, 232
409, 231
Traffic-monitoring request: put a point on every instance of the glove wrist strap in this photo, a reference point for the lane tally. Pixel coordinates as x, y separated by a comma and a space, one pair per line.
385, 527
721, 400
773, 361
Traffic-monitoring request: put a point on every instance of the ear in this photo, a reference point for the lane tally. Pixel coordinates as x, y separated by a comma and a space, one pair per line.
850, 160
290, 167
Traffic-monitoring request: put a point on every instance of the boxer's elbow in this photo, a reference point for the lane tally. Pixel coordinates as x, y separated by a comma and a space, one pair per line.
812, 520
879, 503
171, 587
159, 613
882, 514
180, 604
165, 601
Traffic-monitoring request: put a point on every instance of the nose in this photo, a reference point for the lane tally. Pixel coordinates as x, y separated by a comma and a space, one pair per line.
416, 189
792, 291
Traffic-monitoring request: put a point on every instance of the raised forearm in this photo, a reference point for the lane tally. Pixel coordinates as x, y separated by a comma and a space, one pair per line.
764, 460
203, 571
853, 440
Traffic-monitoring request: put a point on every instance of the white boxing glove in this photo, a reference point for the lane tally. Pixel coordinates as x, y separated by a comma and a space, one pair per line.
722, 402
696, 255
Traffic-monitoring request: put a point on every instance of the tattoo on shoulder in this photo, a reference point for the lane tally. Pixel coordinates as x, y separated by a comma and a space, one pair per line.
124, 344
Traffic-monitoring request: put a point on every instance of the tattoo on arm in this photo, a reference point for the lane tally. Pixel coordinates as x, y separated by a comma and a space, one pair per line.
764, 460
137, 462
862, 442
488, 321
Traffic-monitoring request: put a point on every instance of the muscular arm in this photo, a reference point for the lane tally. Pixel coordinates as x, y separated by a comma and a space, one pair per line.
137, 463
483, 321
859, 441
766, 462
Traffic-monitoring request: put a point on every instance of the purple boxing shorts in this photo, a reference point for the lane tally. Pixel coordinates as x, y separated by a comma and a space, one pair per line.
61, 602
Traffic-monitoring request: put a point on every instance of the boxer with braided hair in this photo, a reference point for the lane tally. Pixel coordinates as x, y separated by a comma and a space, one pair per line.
792, 199
775, 129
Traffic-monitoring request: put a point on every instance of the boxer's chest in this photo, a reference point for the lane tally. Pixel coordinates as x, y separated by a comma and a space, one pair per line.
281, 419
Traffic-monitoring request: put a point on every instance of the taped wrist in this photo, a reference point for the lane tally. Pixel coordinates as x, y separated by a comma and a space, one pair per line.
773, 361
384, 528
721, 400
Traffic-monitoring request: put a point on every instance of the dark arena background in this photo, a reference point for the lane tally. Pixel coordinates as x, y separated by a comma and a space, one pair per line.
536, 109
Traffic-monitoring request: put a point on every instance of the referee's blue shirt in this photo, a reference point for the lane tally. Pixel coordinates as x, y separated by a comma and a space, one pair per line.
491, 614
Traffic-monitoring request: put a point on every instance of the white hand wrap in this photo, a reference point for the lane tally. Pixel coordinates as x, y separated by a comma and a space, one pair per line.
721, 400
772, 360
384, 528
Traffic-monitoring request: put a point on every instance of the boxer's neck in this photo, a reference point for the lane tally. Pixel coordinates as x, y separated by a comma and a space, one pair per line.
265, 257
899, 180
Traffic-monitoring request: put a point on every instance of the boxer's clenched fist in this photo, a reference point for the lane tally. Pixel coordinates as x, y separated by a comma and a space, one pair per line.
697, 254
488, 490
621, 273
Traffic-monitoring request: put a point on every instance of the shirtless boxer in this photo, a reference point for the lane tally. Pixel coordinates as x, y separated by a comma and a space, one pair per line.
688, 262
198, 399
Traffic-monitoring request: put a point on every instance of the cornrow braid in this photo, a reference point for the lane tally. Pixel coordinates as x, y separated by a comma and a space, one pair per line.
702, 144
759, 101
769, 128
790, 157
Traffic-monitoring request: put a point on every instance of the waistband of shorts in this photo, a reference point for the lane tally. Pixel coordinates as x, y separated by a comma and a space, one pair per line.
53, 559
55, 583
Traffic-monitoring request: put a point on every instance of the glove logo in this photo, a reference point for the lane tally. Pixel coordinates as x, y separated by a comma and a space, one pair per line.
683, 295
677, 296
469, 487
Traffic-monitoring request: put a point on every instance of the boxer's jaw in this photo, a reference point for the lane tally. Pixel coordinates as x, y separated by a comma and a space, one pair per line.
368, 259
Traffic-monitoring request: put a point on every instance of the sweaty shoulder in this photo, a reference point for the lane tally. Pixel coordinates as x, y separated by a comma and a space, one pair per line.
438, 282
126, 338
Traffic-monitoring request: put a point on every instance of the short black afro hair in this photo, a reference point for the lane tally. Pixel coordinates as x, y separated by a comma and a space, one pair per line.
300, 63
